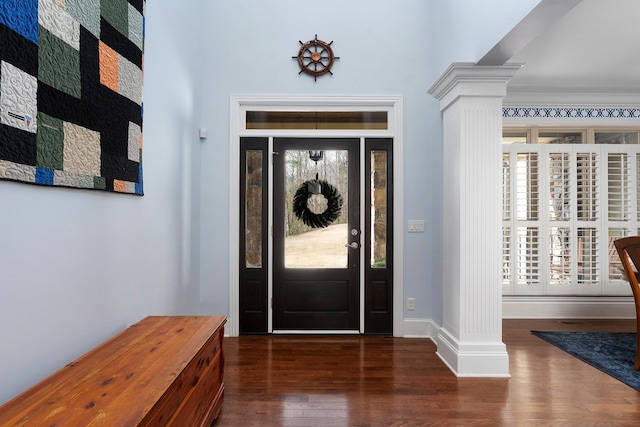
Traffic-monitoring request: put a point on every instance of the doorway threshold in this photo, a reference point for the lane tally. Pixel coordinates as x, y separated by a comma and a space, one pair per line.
316, 332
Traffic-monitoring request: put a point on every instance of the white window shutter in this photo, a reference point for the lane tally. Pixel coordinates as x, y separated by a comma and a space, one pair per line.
563, 205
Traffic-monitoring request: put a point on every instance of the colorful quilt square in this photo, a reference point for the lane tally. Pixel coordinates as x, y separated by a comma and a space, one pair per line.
67, 179
22, 17
44, 176
59, 23
16, 171
71, 93
81, 150
18, 98
116, 13
58, 64
136, 24
50, 143
86, 12
130, 80
135, 142
108, 67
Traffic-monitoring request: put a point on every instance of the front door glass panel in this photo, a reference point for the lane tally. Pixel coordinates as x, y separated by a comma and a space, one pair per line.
378, 208
253, 209
316, 247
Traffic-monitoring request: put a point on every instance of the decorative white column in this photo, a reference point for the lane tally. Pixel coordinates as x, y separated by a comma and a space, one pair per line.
470, 338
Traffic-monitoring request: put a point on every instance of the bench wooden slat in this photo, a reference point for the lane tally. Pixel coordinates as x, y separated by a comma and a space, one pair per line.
150, 371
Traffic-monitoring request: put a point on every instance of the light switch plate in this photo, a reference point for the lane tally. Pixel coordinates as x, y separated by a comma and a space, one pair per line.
416, 226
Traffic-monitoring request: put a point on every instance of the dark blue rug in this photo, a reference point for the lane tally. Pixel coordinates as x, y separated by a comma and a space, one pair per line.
614, 353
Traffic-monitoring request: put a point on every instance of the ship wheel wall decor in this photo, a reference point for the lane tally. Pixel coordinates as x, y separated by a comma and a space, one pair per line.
315, 57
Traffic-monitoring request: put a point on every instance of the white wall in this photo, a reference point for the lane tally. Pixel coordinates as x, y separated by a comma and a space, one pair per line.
77, 266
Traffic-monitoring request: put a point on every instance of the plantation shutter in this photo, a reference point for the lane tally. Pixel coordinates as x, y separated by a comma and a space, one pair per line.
622, 213
563, 205
560, 204
506, 228
521, 222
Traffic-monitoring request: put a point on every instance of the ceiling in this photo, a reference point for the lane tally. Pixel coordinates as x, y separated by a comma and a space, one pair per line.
574, 46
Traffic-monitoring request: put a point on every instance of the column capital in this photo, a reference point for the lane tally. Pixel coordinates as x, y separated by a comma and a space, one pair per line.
469, 79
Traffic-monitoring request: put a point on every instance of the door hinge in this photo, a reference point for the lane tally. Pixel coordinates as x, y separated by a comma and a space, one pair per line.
271, 302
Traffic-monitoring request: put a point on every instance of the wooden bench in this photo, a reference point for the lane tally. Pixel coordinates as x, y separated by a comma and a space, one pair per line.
161, 371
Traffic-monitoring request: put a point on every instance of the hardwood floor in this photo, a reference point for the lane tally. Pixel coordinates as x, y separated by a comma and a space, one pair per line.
371, 381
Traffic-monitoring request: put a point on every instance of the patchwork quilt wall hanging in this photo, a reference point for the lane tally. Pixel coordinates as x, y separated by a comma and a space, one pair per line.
71, 93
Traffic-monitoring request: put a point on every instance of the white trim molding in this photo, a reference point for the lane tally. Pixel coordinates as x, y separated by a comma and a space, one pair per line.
240, 104
553, 307
420, 328
477, 359
463, 78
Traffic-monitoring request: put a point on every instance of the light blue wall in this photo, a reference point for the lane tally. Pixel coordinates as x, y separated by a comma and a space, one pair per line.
382, 52
385, 48
464, 30
77, 266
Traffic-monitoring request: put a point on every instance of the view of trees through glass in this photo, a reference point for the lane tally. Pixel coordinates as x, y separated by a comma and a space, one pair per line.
307, 247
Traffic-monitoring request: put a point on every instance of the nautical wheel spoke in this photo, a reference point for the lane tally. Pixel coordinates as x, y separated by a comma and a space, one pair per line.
315, 57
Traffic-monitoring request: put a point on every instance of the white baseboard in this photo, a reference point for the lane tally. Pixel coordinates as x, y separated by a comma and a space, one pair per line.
479, 360
473, 359
470, 360
549, 307
420, 328
542, 307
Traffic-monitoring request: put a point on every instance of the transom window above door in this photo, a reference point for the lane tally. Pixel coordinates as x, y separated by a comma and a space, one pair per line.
537, 135
333, 120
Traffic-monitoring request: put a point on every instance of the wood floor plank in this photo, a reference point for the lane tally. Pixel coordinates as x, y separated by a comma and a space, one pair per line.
375, 381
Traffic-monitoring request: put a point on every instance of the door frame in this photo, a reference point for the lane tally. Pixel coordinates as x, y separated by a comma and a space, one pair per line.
240, 104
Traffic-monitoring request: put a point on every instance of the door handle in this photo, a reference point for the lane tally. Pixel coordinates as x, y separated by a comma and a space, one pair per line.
352, 245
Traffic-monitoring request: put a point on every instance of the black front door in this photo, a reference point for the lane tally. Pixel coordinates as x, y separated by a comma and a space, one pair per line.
316, 234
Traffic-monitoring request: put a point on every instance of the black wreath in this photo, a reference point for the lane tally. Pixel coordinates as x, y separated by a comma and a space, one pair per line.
302, 211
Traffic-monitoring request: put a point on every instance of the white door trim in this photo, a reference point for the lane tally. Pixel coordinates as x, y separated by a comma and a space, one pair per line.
239, 104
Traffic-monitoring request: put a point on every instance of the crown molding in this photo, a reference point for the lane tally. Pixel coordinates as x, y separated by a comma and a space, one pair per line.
565, 99
469, 79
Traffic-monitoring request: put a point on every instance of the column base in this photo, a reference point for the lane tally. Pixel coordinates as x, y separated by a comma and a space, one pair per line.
473, 359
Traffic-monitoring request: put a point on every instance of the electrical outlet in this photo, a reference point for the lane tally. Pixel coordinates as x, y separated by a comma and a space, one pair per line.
411, 304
